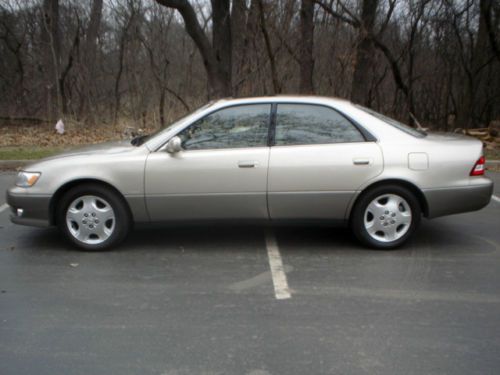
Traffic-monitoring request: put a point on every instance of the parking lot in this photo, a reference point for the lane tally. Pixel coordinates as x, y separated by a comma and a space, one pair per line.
253, 300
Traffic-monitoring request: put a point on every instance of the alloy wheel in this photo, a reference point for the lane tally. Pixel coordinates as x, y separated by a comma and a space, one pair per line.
387, 218
90, 219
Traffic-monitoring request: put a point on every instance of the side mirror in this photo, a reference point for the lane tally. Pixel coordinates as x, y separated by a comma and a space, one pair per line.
174, 145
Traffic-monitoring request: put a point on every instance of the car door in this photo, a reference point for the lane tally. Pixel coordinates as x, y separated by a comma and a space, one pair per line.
318, 161
221, 171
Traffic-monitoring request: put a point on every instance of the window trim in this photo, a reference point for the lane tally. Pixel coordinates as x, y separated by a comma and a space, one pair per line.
271, 141
270, 104
367, 136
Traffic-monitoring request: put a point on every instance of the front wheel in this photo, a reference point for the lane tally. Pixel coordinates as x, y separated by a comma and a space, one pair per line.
93, 217
386, 216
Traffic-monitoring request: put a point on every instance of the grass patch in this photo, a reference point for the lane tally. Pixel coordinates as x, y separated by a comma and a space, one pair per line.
27, 153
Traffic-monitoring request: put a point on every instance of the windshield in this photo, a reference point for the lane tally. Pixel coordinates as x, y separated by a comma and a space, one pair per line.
399, 125
139, 140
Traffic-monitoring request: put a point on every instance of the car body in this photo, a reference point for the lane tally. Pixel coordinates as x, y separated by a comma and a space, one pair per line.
282, 158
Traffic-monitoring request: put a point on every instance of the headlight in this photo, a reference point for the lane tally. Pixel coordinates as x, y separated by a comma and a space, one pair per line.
27, 179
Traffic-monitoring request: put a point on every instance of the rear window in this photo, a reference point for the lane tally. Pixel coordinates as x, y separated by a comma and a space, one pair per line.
398, 125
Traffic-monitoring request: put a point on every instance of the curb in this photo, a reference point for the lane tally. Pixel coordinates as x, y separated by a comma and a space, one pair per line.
15, 164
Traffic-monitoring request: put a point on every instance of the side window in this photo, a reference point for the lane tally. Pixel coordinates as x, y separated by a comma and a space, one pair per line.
234, 127
304, 124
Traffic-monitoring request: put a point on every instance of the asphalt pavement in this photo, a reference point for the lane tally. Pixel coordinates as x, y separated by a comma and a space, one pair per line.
253, 300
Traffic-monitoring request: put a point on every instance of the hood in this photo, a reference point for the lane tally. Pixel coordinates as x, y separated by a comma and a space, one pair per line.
105, 148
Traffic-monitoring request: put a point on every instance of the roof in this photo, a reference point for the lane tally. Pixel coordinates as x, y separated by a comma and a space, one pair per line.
283, 99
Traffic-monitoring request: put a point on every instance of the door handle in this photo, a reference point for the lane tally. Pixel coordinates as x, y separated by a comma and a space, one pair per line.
247, 164
361, 161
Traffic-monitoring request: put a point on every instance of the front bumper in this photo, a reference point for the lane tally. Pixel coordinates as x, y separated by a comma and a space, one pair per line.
35, 208
450, 201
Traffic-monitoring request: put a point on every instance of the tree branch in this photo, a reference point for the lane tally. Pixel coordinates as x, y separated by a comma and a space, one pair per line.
193, 28
328, 9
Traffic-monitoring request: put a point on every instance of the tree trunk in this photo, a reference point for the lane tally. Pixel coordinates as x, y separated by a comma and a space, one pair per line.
216, 55
238, 32
121, 55
92, 34
491, 13
67, 69
51, 37
269, 49
479, 58
364, 55
249, 46
90, 56
222, 45
306, 46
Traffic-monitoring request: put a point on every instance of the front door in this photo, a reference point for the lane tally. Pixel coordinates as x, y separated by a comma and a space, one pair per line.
221, 172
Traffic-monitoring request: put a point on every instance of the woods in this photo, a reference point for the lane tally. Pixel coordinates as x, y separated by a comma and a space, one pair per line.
149, 61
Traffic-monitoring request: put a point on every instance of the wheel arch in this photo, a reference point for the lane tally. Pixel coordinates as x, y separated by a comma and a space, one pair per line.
63, 189
394, 181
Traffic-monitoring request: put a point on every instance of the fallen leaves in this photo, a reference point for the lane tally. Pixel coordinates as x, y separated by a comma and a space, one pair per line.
44, 135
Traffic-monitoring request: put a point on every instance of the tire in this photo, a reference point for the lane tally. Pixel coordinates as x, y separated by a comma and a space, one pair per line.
385, 217
93, 217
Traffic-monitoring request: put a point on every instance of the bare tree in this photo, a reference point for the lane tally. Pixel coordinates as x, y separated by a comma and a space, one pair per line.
490, 12
269, 49
370, 36
13, 45
145, 62
51, 37
474, 60
90, 54
306, 46
238, 32
216, 55
92, 35
159, 61
365, 54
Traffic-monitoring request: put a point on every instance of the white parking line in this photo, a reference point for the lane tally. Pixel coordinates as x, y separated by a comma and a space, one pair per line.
3, 207
281, 290
495, 198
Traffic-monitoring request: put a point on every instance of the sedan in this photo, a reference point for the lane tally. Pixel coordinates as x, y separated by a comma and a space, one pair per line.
269, 159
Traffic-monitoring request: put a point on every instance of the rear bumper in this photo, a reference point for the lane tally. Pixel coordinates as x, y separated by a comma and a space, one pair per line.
35, 209
450, 201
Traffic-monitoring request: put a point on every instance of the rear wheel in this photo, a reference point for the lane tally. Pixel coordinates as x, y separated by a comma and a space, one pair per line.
93, 217
386, 216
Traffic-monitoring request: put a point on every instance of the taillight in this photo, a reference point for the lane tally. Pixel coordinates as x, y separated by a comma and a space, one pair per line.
478, 169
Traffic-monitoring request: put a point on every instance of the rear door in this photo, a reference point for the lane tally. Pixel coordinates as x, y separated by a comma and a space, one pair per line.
318, 161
